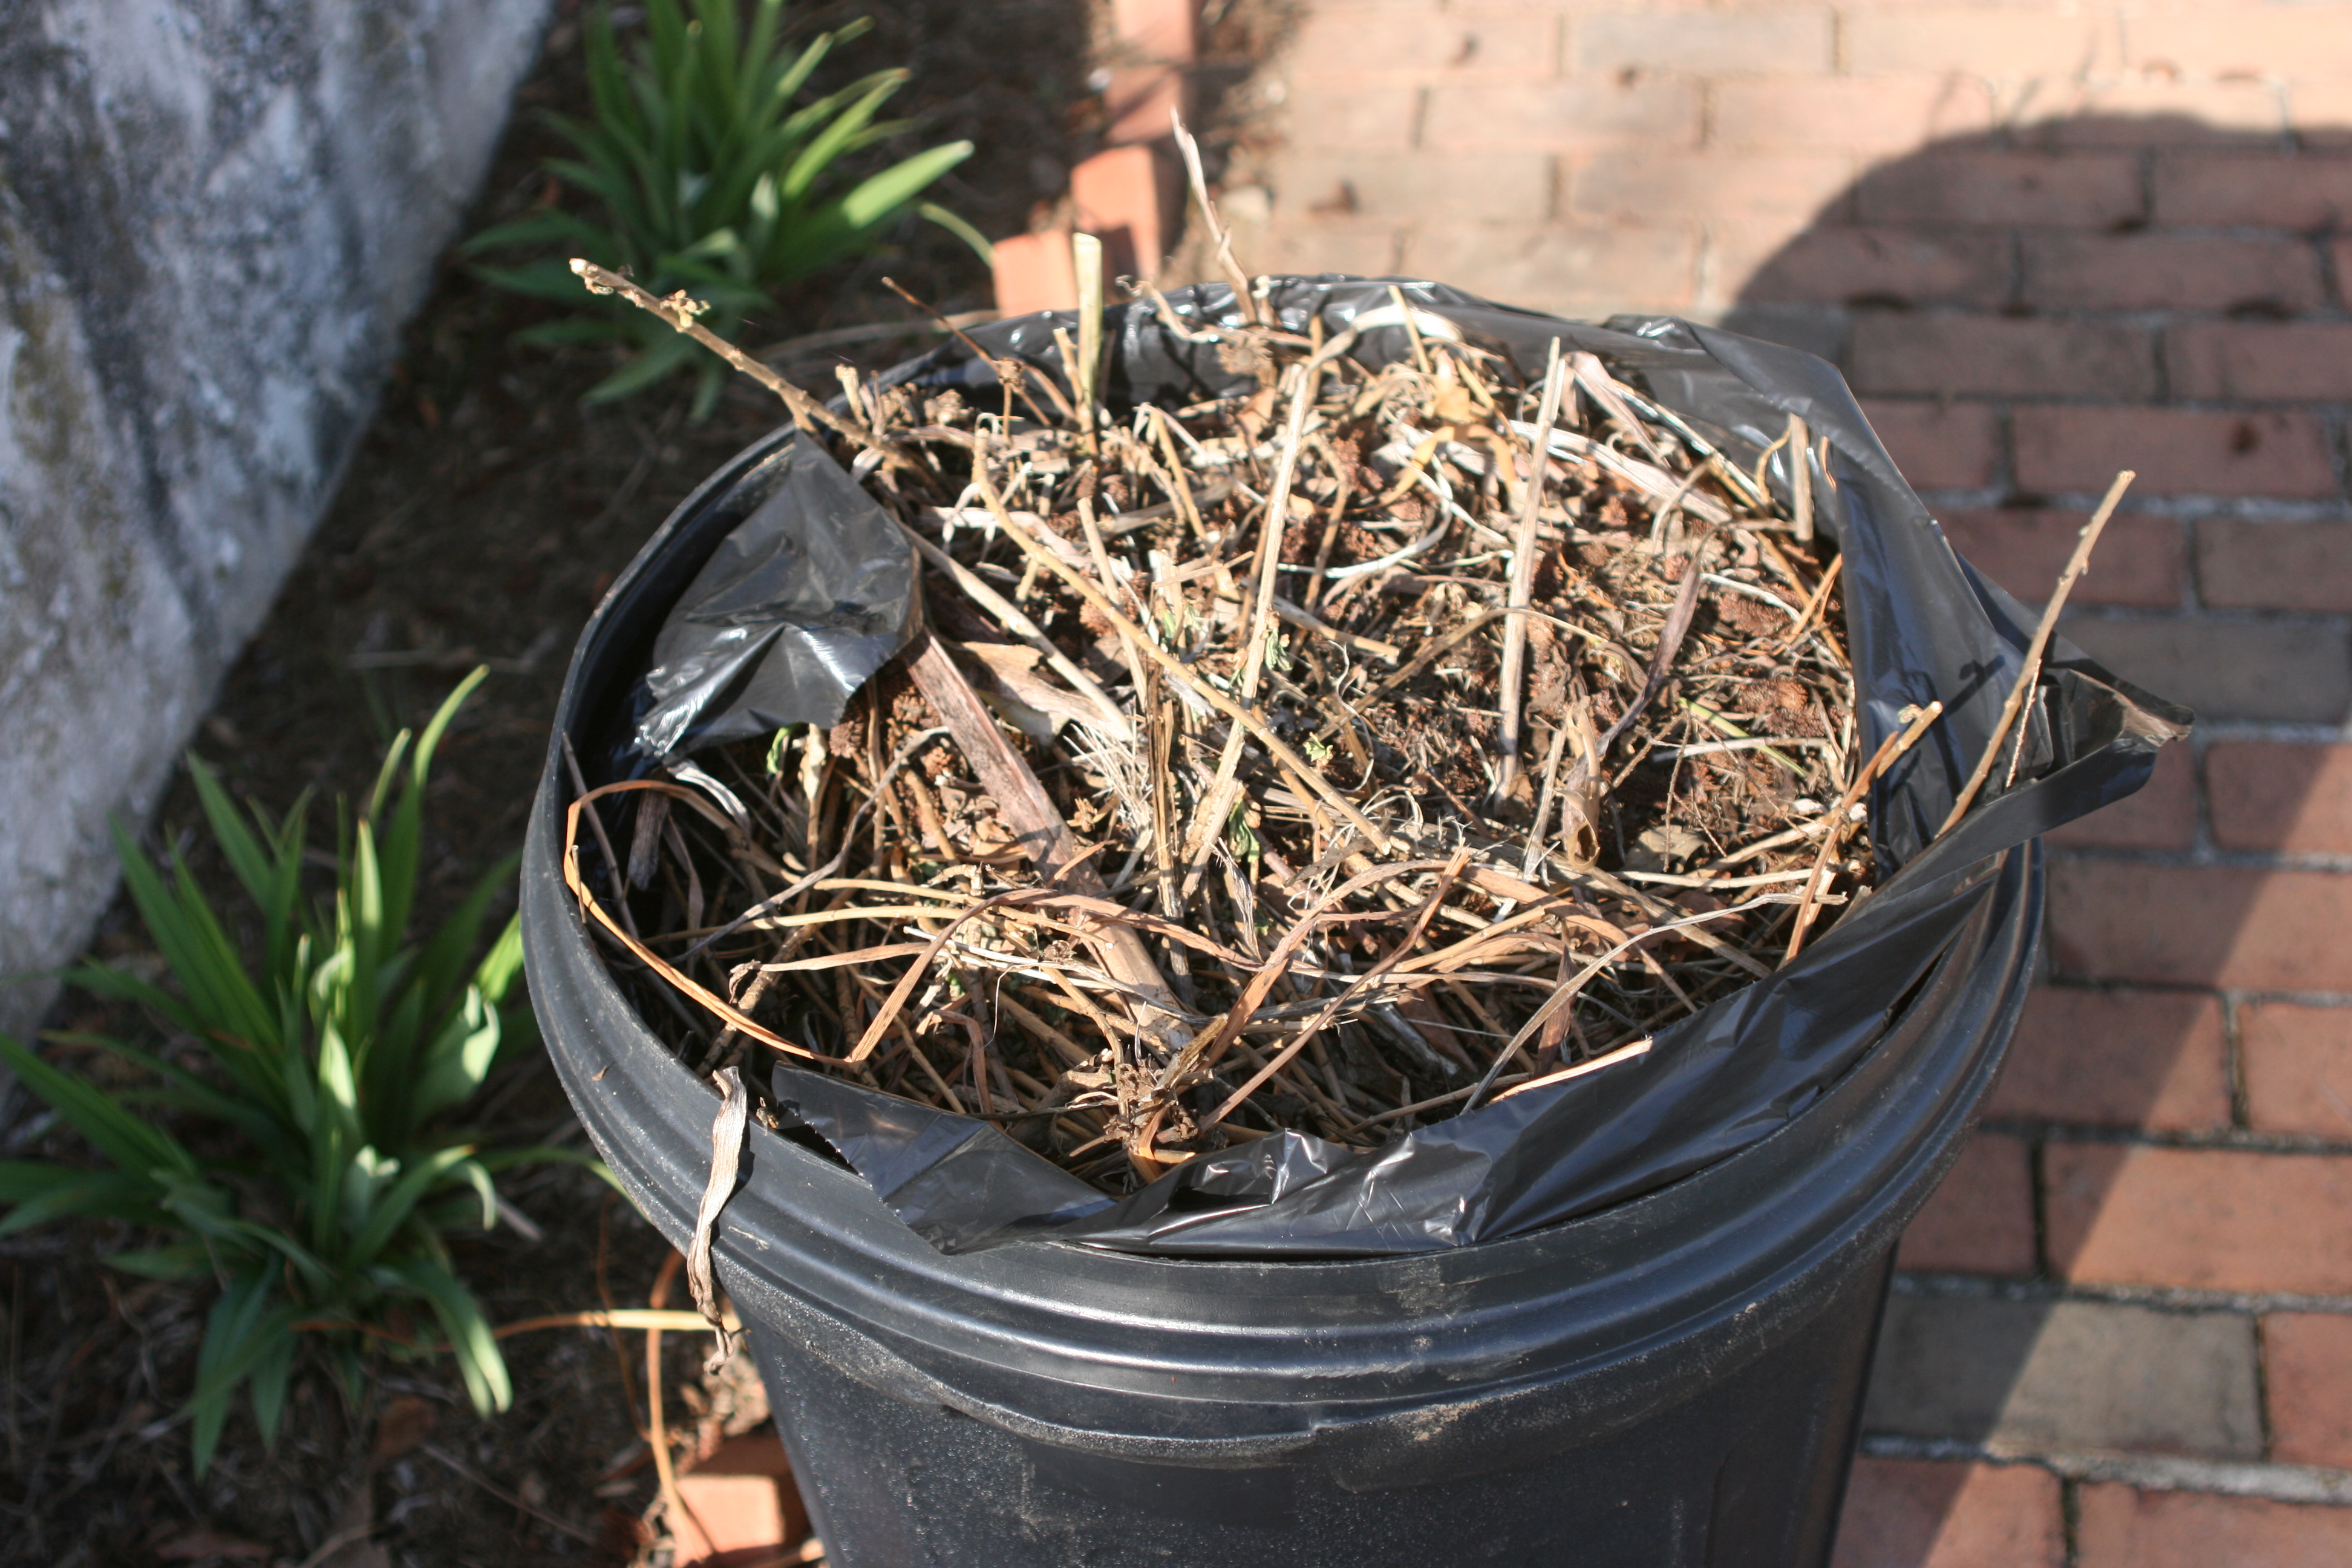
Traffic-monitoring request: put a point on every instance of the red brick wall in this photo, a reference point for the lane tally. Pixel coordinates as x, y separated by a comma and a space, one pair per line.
2044, 241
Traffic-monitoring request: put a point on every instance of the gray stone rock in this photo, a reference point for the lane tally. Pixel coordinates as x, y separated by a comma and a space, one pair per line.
215, 215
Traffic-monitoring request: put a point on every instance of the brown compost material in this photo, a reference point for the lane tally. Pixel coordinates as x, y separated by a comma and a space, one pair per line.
1279, 814
1334, 757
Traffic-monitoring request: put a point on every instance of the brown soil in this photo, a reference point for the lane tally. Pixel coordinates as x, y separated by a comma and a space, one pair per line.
482, 517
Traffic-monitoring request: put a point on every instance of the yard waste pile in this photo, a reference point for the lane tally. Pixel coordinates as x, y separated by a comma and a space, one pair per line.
1456, 786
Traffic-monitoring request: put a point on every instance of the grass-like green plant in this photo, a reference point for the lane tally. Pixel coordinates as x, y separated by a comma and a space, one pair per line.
708, 175
333, 1058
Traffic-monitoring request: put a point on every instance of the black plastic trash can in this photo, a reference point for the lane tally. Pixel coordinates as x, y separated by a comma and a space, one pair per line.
1673, 1380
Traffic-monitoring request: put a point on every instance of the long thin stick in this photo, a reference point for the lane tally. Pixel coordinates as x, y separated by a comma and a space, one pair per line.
1220, 802
1523, 574
1354, 988
1800, 478
2032, 672
1178, 675
680, 311
1244, 298
1006, 369
1889, 752
1039, 827
1819, 596
1027, 630
657, 1427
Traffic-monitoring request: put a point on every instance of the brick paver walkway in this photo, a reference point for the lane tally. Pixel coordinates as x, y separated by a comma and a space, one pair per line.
2044, 241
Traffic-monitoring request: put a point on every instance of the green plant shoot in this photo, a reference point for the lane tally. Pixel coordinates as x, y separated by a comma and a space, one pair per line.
710, 174
317, 1078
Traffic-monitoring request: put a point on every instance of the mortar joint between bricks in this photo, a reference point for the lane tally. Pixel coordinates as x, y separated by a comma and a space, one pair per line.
2262, 1387
2233, 1059
2037, 1192
2147, 1472
2200, 805
2155, 1298
2201, 859
2230, 616
2233, 1139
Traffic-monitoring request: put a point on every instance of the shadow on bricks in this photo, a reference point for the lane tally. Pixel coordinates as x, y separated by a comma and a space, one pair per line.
2169, 1155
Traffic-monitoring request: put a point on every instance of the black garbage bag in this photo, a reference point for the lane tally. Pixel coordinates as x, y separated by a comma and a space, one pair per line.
816, 590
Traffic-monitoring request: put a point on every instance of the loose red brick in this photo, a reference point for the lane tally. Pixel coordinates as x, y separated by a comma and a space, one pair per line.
740, 1504
1901, 352
2122, 1527
1938, 446
2156, 1059
1573, 269
2079, 190
1835, 113
2297, 1062
2150, 112
1980, 1221
2257, 41
2308, 1359
2161, 271
1142, 102
1656, 111
2251, 361
2161, 815
2005, 42
2274, 566
1162, 30
2203, 1219
2201, 925
2297, 672
1034, 272
1422, 42
1129, 198
1841, 264
2139, 560
1420, 187
2305, 192
1925, 1513
2177, 451
1702, 43
1334, 114
1712, 187
2281, 797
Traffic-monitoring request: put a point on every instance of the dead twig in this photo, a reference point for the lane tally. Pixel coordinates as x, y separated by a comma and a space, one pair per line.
2030, 671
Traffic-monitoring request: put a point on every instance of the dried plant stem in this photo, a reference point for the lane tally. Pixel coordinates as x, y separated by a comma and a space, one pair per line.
1623, 1053
1211, 820
1043, 836
680, 311
1178, 675
1244, 296
1113, 721
2030, 671
952, 931
657, 1424
1800, 478
1889, 750
1523, 574
1819, 596
1281, 1059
